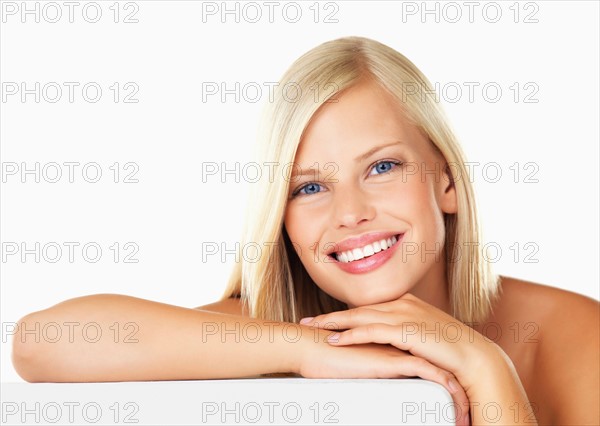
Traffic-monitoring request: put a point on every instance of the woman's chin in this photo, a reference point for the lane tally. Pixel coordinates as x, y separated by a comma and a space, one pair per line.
366, 300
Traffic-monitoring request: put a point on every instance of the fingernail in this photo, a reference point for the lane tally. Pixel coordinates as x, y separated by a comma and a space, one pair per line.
334, 337
306, 320
453, 385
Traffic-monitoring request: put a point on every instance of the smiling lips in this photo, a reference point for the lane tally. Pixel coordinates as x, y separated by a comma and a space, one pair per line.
365, 253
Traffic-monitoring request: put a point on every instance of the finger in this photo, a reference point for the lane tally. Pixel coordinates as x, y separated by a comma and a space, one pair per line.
352, 318
420, 367
372, 333
407, 336
460, 398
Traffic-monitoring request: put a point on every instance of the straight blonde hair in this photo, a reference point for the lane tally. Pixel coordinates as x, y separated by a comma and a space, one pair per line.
275, 285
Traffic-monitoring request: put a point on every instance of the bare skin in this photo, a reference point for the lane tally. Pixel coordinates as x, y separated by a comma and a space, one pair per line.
549, 334
556, 360
541, 340
364, 129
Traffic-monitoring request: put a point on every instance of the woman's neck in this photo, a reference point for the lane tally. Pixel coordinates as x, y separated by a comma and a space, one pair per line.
433, 288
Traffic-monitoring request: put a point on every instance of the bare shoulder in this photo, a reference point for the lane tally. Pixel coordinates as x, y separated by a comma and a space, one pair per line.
521, 300
567, 357
232, 306
562, 315
552, 316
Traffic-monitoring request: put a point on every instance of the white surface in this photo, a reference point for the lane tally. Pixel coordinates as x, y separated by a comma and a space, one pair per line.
170, 212
254, 401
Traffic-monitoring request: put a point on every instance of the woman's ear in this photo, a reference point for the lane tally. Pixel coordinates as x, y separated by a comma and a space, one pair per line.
447, 191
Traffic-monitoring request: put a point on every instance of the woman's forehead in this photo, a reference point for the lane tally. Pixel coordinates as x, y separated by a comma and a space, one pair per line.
363, 118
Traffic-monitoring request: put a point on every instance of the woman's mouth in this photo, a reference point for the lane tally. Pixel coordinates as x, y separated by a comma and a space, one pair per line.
366, 251
368, 257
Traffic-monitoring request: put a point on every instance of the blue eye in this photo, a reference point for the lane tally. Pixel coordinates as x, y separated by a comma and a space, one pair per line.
385, 166
309, 186
382, 167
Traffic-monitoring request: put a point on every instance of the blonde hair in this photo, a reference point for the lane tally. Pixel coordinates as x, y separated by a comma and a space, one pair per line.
276, 286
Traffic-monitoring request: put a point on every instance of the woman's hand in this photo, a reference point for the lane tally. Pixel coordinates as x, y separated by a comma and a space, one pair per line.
443, 345
363, 361
412, 325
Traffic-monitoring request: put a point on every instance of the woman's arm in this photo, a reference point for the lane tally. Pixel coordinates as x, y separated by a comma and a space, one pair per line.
109, 337
497, 395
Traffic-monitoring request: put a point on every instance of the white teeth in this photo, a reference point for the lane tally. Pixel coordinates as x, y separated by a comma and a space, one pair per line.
376, 247
368, 250
357, 254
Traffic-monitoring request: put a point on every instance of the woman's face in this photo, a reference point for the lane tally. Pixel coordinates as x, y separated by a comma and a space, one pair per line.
357, 191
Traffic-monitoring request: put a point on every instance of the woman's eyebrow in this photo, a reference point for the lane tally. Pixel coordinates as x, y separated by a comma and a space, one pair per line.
312, 171
375, 149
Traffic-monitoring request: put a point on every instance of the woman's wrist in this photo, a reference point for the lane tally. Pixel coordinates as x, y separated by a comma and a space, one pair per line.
310, 346
496, 394
482, 357
294, 345
487, 362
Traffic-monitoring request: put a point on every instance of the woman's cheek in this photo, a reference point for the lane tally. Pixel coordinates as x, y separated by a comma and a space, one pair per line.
305, 237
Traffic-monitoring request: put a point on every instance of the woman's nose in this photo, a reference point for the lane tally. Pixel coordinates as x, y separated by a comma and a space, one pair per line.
350, 207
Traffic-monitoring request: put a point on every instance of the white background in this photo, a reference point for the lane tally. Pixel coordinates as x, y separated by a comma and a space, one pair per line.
170, 132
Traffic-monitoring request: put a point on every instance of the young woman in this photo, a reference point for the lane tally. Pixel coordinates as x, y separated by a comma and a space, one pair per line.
369, 228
